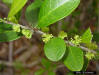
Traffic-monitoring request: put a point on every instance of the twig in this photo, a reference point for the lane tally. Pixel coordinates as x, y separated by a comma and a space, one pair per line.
83, 48
40, 32
7, 22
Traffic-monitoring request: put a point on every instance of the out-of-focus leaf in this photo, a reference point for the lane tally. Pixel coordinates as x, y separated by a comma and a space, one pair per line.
5, 27
7, 36
32, 12
16, 6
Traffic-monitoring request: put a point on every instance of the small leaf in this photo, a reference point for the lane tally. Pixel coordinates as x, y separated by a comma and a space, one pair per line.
39, 72
74, 60
45, 29
16, 28
77, 40
54, 10
16, 6
32, 12
13, 19
27, 33
46, 37
55, 49
62, 34
7, 36
87, 36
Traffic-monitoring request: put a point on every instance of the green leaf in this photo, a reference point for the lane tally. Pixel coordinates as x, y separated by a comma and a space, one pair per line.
32, 12
7, 36
74, 60
46, 63
16, 6
5, 27
54, 10
55, 49
39, 72
87, 36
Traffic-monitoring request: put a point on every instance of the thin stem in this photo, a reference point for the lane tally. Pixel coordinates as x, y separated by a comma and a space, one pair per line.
40, 32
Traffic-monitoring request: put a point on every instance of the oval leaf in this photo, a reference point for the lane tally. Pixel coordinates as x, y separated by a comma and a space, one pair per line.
54, 10
55, 49
74, 60
16, 7
32, 12
9, 36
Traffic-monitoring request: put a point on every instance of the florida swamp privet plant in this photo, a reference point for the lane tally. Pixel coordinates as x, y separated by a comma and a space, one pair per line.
41, 14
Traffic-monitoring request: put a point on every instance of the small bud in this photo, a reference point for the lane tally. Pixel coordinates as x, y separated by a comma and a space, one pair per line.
62, 35
12, 19
45, 29
47, 37
77, 40
90, 55
27, 33
16, 28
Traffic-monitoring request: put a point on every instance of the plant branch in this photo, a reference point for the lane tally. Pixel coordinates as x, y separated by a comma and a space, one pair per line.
82, 47
41, 33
